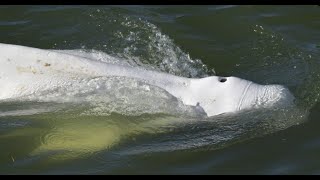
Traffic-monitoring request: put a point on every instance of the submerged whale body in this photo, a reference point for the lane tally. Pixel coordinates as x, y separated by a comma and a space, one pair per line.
26, 70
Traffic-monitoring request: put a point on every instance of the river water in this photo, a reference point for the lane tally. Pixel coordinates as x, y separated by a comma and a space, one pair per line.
129, 128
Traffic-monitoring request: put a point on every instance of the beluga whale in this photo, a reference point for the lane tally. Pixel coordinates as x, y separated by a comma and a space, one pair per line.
27, 70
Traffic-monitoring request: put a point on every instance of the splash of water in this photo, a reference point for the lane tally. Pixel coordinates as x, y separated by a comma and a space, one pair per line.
145, 45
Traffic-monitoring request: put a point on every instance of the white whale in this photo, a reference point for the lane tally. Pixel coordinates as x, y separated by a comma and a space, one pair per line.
26, 70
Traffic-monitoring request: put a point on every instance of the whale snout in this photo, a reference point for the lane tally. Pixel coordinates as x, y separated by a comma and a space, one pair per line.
266, 96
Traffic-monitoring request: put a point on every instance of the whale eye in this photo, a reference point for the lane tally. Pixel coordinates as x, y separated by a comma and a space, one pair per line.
222, 79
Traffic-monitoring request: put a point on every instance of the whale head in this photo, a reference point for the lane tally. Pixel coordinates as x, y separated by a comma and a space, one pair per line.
218, 95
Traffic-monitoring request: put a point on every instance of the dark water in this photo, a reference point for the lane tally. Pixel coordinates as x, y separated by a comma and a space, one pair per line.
265, 44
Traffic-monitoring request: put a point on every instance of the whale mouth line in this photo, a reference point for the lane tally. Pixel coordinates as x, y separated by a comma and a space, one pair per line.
243, 95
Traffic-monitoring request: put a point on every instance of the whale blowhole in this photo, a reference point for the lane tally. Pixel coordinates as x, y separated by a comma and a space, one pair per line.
222, 79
